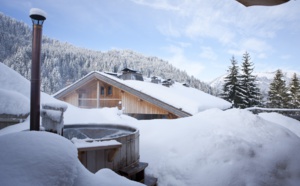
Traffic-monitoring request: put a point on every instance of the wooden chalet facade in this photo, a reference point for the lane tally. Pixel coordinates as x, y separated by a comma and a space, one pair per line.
97, 90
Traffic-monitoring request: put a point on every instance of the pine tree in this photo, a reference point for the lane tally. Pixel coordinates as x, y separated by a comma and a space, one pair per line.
231, 87
250, 93
277, 95
294, 90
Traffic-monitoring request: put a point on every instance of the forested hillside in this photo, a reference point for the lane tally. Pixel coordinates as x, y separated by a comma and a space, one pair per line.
63, 63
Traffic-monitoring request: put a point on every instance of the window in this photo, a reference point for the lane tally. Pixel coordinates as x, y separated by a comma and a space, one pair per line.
109, 90
81, 99
102, 91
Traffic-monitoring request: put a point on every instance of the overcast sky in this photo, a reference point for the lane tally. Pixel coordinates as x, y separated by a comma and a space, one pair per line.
199, 36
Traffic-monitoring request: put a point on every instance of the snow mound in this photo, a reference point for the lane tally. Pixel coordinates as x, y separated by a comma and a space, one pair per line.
42, 158
75, 115
233, 147
13, 103
14, 92
37, 158
289, 123
13, 81
105, 177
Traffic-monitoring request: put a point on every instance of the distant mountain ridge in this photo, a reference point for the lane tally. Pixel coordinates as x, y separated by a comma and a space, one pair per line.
263, 79
63, 63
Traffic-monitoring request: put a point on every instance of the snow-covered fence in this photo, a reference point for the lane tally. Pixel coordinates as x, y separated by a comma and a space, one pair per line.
53, 117
293, 113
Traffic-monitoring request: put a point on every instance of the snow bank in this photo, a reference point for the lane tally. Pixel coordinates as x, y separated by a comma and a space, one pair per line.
14, 92
215, 147
75, 115
13, 81
42, 158
13, 103
37, 158
289, 123
105, 177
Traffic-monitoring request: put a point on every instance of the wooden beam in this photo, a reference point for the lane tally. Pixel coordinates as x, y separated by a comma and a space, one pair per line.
98, 94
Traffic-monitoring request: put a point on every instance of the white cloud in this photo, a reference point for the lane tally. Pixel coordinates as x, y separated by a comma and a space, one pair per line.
179, 60
208, 53
157, 4
225, 21
256, 47
169, 30
208, 27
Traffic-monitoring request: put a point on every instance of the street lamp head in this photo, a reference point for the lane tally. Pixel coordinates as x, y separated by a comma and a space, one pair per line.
37, 16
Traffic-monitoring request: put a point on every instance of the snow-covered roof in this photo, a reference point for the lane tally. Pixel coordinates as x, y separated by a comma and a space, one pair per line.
181, 98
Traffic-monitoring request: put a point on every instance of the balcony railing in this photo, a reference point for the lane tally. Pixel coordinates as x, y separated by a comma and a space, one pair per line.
92, 102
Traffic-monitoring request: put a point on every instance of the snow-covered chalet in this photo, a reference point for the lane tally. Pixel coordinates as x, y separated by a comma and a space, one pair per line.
139, 98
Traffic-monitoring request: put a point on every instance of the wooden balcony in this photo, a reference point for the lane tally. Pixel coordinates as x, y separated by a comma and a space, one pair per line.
93, 103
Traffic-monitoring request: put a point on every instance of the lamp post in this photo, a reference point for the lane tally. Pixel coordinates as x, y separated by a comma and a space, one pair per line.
38, 17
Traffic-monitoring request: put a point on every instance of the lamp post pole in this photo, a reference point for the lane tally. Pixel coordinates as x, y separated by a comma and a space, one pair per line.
37, 16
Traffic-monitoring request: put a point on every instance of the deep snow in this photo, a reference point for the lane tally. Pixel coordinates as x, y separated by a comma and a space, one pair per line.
43, 158
213, 147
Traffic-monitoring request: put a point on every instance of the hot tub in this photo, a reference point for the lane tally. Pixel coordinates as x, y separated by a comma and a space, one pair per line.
115, 157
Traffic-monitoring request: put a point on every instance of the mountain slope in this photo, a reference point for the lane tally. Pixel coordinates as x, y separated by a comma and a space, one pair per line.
63, 63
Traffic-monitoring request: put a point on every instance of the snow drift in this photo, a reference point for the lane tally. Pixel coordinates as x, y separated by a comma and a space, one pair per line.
42, 158
14, 92
217, 148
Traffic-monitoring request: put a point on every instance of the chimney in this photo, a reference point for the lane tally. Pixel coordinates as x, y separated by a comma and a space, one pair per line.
38, 17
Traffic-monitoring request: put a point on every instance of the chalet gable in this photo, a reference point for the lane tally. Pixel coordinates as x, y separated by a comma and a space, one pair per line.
134, 101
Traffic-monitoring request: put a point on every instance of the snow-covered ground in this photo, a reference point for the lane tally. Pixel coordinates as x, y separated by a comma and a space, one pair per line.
42, 158
211, 148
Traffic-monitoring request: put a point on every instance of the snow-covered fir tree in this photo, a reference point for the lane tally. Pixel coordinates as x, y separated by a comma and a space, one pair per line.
250, 93
294, 92
231, 86
278, 96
